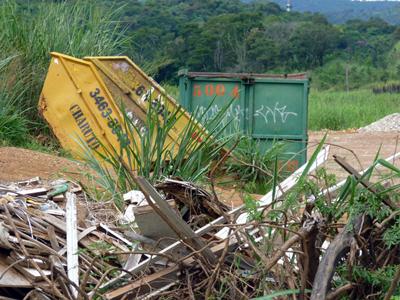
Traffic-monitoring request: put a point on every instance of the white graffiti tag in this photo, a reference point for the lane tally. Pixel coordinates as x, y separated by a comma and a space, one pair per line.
277, 114
235, 115
231, 116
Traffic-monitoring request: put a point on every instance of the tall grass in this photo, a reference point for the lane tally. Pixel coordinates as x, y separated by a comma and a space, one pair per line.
33, 29
13, 125
342, 110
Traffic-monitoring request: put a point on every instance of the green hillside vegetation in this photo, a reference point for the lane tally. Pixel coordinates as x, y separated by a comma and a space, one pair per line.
163, 36
232, 36
340, 11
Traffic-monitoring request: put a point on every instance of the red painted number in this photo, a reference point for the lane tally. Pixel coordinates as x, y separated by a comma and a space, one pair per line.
209, 90
235, 92
214, 90
220, 90
196, 91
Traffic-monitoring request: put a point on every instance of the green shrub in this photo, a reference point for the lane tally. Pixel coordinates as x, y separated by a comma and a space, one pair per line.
253, 166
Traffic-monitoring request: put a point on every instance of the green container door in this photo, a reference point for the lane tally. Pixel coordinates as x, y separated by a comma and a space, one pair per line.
268, 108
278, 109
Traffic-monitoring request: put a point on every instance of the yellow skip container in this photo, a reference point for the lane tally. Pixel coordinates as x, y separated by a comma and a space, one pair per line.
81, 100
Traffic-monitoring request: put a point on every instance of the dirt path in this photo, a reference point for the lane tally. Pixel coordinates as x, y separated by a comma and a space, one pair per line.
364, 145
20, 164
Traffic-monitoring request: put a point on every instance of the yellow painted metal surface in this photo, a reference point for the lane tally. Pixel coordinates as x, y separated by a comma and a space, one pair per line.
81, 101
128, 83
70, 103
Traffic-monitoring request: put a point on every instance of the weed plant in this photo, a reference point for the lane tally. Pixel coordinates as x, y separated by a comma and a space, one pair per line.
153, 155
254, 166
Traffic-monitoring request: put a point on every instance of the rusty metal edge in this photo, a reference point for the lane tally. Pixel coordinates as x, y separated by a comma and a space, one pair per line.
302, 76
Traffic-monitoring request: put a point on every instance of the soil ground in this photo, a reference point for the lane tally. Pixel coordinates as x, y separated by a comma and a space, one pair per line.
359, 149
19, 164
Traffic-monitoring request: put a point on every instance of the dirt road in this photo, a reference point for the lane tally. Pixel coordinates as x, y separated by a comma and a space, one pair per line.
19, 164
350, 143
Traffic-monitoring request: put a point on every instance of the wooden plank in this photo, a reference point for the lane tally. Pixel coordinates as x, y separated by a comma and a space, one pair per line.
33, 192
115, 234
60, 225
176, 223
133, 259
11, 278
31, 273
81, 235
144, 281
149, 280
53, 238
58, 268
72, 242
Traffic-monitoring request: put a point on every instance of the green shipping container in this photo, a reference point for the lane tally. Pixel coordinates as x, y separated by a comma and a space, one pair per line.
269, 108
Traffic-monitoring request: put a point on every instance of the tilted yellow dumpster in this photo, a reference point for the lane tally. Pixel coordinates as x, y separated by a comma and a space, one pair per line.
130, 85
81, 101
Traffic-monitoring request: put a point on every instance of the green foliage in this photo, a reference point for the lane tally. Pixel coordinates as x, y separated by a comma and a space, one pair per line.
252, 208
225, 36
33, 29
255, 36
233, 36
313, 189
301, 185
392, 235
380, 278
311, 43
153, 155
13, 125
332, 75
339, 11
253, 165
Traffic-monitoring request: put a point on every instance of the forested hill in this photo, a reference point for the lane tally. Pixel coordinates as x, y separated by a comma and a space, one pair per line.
339, 11
234, 36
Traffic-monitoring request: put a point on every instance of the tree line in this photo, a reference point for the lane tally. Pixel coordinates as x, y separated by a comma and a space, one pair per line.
259, 36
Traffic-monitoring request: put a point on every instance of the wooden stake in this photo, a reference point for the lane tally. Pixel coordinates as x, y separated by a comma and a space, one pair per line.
72, 242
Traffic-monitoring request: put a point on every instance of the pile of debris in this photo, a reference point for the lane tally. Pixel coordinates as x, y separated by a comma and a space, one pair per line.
177, 240
39, 235
390, 123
